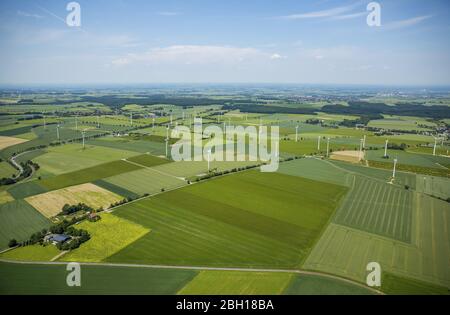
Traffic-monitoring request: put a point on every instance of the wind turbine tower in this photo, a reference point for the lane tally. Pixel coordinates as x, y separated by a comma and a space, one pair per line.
131, 119
296, 133
318, 143
83, 133
364, 142
328, 146
209, 158
393, 170
434, 148
57, 131
385, 148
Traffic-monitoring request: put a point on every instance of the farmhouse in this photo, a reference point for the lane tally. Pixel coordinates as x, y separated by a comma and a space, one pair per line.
56, 238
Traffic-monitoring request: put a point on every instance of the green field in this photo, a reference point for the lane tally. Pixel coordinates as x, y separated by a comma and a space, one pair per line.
148, 160
214, 223
31, 253
19, 220
392, 284
320, 285
108, 236
432, 185
237, 283
316, 169
87, 175
147, 180
72, 157
377, 207
6, 170
51, 279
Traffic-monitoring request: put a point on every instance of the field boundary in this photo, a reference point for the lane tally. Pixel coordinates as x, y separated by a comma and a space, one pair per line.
296, 271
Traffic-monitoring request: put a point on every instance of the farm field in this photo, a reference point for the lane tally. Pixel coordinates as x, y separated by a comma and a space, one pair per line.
19, 220
9, 141
31, 253
51, 203
5, 197
196, 225
138, 146
314, 285
108, 235
51, 280
237, 283
417, 260
316, 169
145, 181
87, 175
72, 157
423, 160
378, 208
6, 170
434, 186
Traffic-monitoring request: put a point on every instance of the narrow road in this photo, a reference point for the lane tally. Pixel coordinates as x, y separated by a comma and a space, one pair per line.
297, 271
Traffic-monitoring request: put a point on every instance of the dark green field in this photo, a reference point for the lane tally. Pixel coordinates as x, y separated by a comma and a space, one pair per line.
51, 279
19, 220
248, 219
88, 174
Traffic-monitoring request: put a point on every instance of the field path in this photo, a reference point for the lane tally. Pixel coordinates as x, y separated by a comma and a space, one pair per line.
154, 170
297, 271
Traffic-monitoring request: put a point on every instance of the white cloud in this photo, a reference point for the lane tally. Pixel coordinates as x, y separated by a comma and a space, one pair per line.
26, 14
277, 56
349, 16
320, 14
406, 23
194, 54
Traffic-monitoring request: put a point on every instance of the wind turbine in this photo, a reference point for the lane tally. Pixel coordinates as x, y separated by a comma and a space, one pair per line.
131, 119
364, 142
434, 148
385, 148
167, 140
318, 143
98, 122
209, 157
296, 133
153, 126
328, 146
393, 170
361, 144
83, 133
76, 122
57, 131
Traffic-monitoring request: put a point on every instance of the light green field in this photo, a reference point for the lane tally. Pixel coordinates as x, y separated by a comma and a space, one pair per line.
19, 220
6, 170
147, 180
108, 235
86, 175
393, 284
316, 169
432, 185
5, 197
237, 283
425, 259
401, 123
377, 207
72, 157
193, 168
423, 160
31, 253
215, 222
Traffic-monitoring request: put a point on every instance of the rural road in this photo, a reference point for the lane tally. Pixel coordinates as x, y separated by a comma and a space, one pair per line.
297, 271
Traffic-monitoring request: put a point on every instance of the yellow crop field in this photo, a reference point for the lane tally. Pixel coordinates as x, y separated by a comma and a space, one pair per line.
51, 203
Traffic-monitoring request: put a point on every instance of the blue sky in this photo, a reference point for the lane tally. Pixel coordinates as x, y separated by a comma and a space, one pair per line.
323, 41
